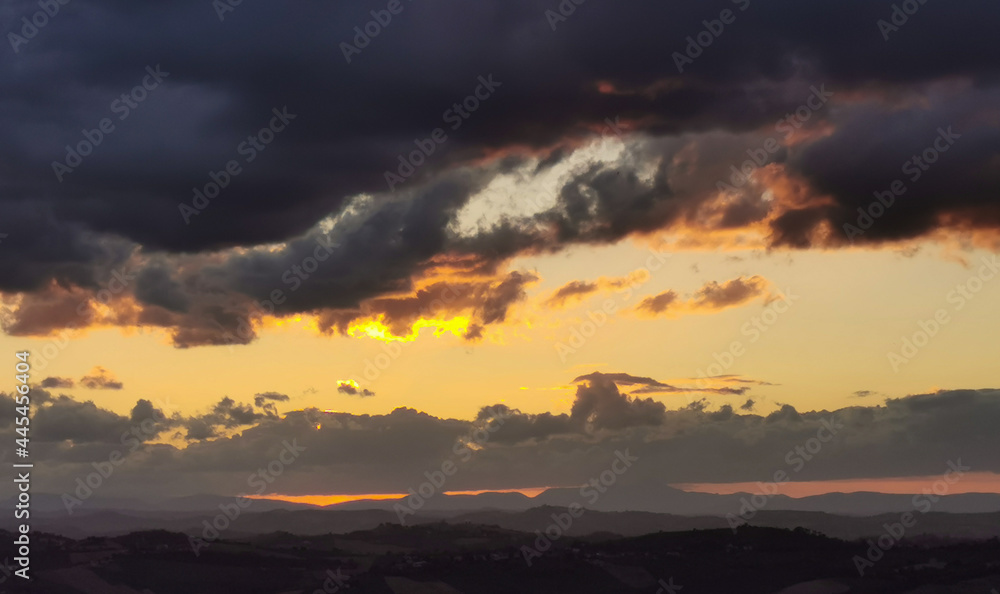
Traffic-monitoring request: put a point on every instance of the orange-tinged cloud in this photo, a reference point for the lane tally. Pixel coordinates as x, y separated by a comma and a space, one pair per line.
377, 329
336, 499
100, 379
461, 308
710, 298
576, 291
353, 388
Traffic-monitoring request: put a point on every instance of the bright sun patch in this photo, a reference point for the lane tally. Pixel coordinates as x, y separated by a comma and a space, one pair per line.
378, 330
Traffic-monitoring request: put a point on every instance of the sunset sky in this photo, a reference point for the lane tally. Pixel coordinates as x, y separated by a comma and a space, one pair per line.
580, 248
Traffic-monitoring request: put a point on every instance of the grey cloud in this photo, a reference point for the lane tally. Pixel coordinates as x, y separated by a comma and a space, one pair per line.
911, 436
100, 379
683, 132
57, 382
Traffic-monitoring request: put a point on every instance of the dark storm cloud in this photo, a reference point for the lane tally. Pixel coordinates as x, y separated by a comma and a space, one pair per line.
910, 436
353, 121
156, 286
41, 246
370, 253
942, 156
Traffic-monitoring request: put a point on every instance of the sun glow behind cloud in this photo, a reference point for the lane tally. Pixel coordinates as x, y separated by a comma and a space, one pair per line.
378, 330
323, 500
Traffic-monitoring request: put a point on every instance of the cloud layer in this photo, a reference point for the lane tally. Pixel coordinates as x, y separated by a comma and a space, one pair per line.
778, 131
346, 453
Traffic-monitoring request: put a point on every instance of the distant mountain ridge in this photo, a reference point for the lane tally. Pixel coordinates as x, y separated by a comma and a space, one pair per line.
645, 497
316, 522
627, 509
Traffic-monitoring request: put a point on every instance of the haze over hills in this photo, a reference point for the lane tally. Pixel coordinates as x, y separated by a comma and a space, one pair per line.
470, 558
625, 497
954, 516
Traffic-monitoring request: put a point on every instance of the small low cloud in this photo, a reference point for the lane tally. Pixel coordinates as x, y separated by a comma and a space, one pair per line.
658, 304
57, 382
738, 291
266, 400
576, 291
100, 378
262, 398
711, 297
228, 414
865, 394
648, 385
351, 388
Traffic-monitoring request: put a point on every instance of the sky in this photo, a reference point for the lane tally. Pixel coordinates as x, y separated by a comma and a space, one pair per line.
698, 231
